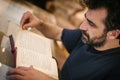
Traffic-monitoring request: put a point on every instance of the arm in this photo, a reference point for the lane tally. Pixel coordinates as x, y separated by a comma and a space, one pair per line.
49, 30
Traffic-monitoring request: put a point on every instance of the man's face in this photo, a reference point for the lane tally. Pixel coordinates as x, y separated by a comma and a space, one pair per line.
93, 28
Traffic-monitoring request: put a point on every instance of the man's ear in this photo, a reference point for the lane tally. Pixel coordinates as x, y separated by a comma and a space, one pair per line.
113, 34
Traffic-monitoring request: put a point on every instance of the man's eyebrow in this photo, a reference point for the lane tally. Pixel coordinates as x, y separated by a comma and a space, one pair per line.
90, 21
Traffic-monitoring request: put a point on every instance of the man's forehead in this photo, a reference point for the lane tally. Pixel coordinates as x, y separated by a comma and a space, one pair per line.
97, 14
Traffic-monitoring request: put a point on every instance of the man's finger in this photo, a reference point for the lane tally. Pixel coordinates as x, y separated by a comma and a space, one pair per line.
16, 71
26, 26
15, 77
25, 18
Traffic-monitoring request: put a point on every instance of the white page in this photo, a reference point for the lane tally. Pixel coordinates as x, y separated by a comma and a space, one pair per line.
34, 42
33, 49
39, 61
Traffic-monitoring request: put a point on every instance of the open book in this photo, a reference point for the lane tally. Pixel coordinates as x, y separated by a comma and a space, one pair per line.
32, 49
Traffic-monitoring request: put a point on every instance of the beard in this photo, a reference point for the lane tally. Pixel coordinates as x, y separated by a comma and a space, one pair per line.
97, 41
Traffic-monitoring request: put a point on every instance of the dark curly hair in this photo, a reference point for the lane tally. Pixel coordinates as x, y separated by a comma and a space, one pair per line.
112, 21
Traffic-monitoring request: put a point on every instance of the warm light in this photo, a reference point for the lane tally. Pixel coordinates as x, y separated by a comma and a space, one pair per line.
3, 50
29, 28
0, 64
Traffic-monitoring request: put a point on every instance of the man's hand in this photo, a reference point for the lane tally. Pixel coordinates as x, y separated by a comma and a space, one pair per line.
29, 20
49, 30
27, 73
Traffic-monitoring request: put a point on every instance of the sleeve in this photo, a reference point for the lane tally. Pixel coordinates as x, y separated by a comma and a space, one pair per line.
114, 74
70, 38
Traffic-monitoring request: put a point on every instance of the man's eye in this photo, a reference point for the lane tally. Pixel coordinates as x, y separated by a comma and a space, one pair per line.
92, 24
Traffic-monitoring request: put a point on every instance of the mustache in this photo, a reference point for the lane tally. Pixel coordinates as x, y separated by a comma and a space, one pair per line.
84, 33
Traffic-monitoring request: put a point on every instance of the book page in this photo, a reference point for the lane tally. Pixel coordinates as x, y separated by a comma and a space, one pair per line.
33, 42
33, 49
39, 61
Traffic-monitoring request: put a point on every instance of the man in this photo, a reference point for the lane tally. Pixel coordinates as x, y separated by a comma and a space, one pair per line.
94, 48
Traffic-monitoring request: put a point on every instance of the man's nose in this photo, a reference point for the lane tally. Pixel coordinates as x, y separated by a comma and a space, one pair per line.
84, 26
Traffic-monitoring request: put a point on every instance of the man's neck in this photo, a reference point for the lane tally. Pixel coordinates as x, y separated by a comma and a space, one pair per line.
108, 45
